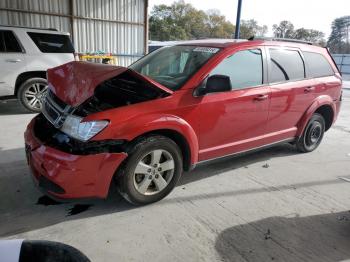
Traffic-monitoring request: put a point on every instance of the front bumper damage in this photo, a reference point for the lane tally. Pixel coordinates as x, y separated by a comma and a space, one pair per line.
66, 175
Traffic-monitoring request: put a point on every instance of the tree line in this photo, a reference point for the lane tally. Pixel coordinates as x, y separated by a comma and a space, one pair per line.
338, 41
181, 21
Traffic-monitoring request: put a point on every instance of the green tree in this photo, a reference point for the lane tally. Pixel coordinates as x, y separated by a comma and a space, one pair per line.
338, 41
195, 27
218, 26
310, 35
251, 28
284, 29
181, 21
161, 24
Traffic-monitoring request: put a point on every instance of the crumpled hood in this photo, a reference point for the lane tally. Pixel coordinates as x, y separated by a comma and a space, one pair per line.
75, 82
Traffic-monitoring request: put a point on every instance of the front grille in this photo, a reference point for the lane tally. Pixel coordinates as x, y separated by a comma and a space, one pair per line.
55, 110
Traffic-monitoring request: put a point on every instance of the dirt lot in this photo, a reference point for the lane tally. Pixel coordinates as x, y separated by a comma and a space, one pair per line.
275, 204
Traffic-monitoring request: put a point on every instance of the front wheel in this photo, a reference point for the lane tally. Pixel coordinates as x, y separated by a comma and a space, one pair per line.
151, 171
312, 135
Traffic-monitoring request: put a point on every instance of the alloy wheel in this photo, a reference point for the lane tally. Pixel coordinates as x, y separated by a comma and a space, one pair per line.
34, 95
154, 172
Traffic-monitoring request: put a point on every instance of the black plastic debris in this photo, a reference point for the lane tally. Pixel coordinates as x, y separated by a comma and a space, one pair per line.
77, 209
266, 166
46, 201
267, 235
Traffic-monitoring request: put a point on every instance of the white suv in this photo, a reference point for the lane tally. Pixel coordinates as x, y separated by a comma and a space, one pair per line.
25, 55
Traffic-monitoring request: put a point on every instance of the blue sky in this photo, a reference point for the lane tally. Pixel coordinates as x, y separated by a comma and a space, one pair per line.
315, 14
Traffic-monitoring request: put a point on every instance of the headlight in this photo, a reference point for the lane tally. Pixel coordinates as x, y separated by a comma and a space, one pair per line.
83, 131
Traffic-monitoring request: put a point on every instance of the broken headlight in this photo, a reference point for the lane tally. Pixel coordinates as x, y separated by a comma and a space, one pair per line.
82, 131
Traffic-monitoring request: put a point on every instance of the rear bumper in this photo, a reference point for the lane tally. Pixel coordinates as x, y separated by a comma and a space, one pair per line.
67, 176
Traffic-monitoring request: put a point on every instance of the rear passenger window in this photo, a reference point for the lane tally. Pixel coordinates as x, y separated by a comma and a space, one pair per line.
317, 65
244, 68
9, 42
285, 65
52, 43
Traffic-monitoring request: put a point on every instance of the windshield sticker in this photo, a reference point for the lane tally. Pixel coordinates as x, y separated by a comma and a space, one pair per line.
211, 50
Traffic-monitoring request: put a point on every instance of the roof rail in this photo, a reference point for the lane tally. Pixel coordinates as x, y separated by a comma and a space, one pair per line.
28, 27
281, 39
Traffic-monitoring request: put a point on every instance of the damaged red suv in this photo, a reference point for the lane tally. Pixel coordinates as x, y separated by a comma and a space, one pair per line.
142, 126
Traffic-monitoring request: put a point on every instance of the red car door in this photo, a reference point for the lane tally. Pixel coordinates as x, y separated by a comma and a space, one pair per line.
291, 92
235, 120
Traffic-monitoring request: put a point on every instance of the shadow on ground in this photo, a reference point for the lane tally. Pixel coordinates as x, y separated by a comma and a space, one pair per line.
11, 107
229, 163
23, 209
313, 238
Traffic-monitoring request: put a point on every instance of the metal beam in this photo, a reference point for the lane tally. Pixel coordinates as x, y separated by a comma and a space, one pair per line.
71, 10
69, 16
238, 19
145, 28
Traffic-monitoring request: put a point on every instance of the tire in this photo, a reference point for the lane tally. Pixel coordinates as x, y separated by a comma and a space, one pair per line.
31, 93
312, 135
140, 180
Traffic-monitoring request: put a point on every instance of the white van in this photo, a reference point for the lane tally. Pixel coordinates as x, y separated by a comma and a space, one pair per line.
25, 55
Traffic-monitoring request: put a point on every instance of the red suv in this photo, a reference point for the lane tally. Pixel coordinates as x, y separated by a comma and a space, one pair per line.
142, 126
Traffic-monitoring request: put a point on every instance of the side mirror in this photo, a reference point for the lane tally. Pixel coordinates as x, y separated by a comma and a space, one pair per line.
215, 84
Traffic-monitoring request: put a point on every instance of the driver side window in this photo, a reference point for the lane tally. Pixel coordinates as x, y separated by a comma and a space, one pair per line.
244, 68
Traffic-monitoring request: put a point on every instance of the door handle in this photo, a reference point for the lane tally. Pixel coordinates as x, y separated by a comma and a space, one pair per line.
13, 60
309, 89
261, 97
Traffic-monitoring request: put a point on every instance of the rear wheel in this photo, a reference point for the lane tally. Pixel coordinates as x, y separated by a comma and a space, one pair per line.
312, 135
152, 170
31, 93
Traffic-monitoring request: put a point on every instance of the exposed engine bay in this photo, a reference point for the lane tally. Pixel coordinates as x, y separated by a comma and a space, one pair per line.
122, 90
52, 126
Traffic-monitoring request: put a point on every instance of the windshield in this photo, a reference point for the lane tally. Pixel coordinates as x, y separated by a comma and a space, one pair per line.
173, 66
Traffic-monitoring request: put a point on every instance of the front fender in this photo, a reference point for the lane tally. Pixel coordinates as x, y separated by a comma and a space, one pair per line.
317, 103
137, 126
